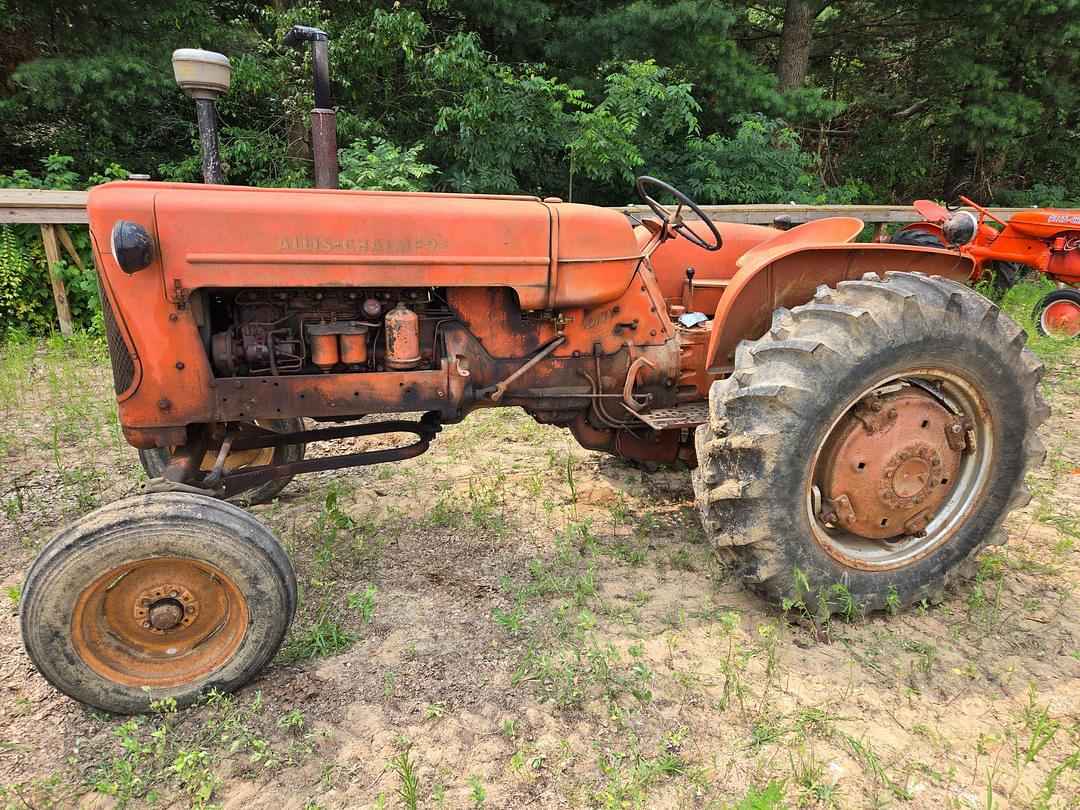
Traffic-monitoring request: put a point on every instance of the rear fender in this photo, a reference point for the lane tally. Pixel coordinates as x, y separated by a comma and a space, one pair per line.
789, 279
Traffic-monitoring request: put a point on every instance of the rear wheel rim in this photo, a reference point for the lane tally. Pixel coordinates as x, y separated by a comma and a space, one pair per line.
160, 622
947, 500
1061, 319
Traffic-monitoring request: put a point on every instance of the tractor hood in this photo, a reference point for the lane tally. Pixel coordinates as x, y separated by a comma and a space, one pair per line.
553, 254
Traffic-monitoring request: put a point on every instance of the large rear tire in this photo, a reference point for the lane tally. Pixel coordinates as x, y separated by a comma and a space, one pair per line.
172, 592
913, 395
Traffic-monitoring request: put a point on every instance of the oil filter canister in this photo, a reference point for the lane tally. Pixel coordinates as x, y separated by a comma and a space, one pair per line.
324, 345
402, 338
353, 342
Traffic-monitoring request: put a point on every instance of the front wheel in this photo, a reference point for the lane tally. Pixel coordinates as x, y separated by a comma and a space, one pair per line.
1057, 314
870, 444
163, 595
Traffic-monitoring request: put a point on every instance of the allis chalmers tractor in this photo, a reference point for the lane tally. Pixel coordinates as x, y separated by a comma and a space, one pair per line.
853, 414
1044, 238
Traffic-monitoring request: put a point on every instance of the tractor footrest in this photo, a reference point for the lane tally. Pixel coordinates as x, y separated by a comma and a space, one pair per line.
687, 415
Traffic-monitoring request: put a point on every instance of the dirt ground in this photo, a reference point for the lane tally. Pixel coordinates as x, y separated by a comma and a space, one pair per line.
512, 621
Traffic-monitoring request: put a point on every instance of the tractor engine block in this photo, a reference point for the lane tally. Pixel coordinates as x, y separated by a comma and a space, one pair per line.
303, 331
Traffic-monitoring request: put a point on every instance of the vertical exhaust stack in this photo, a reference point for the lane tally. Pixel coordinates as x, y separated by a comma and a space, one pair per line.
204, 75
323, 126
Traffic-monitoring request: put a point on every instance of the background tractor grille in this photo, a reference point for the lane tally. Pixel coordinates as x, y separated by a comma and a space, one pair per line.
123, 364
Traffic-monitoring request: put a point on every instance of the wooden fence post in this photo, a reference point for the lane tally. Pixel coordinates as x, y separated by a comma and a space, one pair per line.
52, 258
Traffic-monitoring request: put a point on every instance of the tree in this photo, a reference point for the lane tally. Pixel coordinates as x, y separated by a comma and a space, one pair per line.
795, 38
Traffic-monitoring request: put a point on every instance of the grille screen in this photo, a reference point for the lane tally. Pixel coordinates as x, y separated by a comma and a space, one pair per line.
123, 364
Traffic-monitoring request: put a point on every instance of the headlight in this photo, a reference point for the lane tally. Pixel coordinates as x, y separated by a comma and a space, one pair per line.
960, 228
132, 247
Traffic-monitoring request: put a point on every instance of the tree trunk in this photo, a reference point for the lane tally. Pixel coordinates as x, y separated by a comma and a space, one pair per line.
799, 16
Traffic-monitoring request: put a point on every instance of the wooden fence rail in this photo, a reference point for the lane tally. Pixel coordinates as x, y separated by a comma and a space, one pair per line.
52, 210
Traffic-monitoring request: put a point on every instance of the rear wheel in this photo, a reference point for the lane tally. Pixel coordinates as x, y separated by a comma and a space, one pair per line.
172, 592
1057, 314
154, 461
871, 443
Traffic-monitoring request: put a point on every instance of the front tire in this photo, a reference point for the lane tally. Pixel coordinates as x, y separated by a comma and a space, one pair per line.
172, 592
827, 468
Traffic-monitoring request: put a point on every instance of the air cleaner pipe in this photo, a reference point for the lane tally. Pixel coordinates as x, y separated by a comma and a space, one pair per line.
204, 75
323, 123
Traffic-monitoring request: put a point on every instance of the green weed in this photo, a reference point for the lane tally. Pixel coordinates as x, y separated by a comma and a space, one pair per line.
408, 789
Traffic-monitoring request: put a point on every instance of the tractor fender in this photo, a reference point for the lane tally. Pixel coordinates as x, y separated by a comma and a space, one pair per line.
788, 276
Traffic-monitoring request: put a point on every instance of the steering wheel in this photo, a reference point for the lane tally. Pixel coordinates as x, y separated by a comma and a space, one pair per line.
675, 220
953, 201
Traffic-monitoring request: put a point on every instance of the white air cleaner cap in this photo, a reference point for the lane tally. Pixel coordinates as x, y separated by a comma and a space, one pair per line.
202, 74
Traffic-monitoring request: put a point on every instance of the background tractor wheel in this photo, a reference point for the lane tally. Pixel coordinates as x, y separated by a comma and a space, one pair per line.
1006, 274
154, 461
917, 237
1057, 314
176, 592
870, 444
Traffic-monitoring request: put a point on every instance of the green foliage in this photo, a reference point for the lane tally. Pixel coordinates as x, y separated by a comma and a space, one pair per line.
763, 162
26, 301
508, 128
379, 165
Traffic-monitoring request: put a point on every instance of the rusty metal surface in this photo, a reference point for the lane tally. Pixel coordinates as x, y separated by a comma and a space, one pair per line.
891, 459
206, 117
402, 338
324, 147
159, 622
183, 474
689, 415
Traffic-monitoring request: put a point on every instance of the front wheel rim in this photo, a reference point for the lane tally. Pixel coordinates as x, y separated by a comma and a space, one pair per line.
161, 622
1061, 319
916, 478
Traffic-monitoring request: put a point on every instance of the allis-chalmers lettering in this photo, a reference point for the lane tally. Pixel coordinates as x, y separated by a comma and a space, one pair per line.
361, 245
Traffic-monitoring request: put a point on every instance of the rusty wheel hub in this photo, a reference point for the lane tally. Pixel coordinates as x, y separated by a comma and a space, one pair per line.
899, 470
159, 622
165, 608
889, 465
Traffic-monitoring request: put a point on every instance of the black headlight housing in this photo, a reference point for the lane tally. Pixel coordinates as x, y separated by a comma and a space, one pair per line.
132, 247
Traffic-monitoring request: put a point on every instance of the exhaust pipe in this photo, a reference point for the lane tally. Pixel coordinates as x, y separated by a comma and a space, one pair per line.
204, 75
323, 126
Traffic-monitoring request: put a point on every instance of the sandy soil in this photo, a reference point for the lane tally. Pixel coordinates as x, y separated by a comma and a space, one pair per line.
550, 629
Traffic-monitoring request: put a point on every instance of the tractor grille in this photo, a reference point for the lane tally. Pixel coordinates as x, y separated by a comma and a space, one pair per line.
123, 364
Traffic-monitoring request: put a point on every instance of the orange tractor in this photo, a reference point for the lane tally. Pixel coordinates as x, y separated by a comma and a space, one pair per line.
1045, 239
857, 420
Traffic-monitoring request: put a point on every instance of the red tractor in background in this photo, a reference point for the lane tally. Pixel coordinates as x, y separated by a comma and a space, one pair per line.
1045, 239
858, 421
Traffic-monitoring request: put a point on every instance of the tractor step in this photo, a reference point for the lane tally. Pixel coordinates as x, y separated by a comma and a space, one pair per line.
687, 415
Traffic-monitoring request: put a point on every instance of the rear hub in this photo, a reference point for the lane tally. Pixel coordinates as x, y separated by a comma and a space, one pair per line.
897, 470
